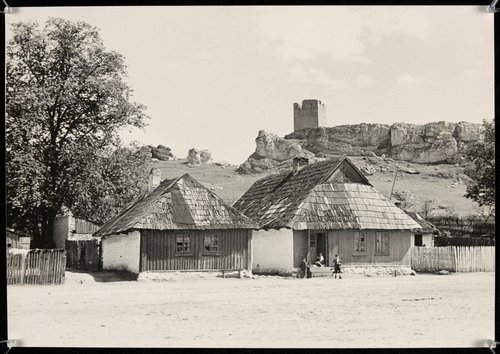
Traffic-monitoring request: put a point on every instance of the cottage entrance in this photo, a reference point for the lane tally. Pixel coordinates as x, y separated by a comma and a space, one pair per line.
317, 245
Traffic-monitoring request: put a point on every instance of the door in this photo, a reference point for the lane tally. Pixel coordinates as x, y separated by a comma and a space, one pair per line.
317, 245
312, 248
333, 245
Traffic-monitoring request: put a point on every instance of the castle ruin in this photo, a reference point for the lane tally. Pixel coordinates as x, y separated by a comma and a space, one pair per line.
312, 114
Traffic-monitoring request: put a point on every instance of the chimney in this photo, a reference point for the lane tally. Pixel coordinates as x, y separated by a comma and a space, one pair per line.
154, 178
398, 203
299, 161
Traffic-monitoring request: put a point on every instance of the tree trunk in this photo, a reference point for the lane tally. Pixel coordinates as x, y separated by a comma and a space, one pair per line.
48, 217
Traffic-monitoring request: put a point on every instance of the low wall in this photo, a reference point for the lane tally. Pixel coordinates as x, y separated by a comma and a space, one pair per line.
121, 252
272, 250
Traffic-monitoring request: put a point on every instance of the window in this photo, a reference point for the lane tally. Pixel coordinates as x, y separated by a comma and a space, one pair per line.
381, 243
312, 241
183, 244
211, 243
359, 242
418, 240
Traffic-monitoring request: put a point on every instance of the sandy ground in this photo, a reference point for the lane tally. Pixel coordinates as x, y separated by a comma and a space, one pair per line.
408, 311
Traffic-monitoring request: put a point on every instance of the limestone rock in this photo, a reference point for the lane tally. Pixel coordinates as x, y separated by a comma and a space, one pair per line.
368, 170
256, 164
162, 153
273, 147
197, 157
468, 132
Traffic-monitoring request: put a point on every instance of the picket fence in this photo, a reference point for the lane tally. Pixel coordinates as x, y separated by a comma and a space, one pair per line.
36, 267
455, 259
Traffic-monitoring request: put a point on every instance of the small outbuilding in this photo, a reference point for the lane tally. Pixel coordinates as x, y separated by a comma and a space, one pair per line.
424, 237
327, 207
17, 239
180, 225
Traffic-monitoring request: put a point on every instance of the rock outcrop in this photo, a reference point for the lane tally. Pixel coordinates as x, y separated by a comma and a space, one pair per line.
272, 151
437, 142
161, 152
271, 146
197, 157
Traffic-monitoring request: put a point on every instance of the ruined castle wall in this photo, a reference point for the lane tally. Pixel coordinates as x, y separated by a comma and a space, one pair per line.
311, 114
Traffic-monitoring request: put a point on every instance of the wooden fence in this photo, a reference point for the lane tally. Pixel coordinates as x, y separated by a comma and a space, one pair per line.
36, 267
464, 226
83, 254
440, 241
456, 259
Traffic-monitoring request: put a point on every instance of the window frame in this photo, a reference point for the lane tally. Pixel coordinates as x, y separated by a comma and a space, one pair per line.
382, 235
184, 236
357, 235
211, 253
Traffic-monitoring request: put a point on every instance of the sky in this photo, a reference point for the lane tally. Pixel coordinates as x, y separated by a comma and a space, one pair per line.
212, 77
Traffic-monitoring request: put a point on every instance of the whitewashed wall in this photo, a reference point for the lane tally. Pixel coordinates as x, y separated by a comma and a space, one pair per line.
121, 252
61, 231
427, 240
273, 249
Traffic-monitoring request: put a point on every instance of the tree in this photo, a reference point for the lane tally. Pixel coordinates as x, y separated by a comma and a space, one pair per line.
482, 154
66, 101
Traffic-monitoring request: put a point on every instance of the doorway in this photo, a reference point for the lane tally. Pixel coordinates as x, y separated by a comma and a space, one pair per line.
317, 245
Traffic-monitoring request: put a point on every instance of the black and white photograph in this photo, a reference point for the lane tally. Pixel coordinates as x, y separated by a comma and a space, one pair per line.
250, 176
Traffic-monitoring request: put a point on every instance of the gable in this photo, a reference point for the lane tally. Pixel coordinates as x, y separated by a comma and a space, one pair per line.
347, 173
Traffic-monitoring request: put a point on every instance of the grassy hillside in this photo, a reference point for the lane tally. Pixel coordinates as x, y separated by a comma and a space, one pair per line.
433, 182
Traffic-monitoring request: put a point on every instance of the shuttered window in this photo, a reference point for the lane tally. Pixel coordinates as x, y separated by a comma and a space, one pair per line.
183, 244
382, 243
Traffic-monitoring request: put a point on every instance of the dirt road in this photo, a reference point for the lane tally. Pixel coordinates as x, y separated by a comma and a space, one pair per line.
425, 310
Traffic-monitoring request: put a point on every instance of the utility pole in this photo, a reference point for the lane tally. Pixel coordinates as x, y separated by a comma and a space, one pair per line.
394, 182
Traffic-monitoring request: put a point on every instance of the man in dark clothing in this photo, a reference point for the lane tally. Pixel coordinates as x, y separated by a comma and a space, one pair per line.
305, 269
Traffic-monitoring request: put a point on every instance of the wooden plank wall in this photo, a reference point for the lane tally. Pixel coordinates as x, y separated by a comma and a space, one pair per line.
36, 267
459, 259
83, 254
158, 251
341, 242
85, 227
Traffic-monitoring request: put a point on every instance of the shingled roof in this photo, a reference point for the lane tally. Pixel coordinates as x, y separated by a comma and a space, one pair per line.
427, 226
308, 199
177, 204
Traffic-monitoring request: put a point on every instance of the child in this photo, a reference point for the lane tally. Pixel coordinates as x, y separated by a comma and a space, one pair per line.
337, 264
320, 260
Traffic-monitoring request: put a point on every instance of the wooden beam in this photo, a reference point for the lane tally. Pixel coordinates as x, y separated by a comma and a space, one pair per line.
249, 250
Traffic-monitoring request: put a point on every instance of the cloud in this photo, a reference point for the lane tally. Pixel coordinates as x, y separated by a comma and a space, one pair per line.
407, 79
343, 33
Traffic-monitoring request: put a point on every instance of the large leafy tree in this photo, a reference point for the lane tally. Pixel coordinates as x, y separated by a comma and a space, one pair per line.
67, 100
482, 154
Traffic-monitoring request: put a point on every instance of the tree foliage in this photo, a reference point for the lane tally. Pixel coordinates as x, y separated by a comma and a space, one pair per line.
66, 101
482, 154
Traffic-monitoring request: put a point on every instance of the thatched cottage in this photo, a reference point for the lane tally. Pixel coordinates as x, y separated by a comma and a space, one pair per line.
328, 207
179, 225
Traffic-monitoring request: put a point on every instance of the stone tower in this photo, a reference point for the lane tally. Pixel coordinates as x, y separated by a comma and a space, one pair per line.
311, 114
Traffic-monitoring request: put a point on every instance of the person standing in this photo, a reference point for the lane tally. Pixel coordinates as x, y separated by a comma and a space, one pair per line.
337, 267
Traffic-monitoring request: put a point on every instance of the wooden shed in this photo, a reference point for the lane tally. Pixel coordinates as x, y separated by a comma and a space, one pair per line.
328, 207
17, 239
180, 225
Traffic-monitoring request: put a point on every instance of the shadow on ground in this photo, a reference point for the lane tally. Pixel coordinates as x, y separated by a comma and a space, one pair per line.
106, 277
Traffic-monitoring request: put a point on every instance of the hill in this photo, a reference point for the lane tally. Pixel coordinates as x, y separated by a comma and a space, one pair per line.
443, 182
